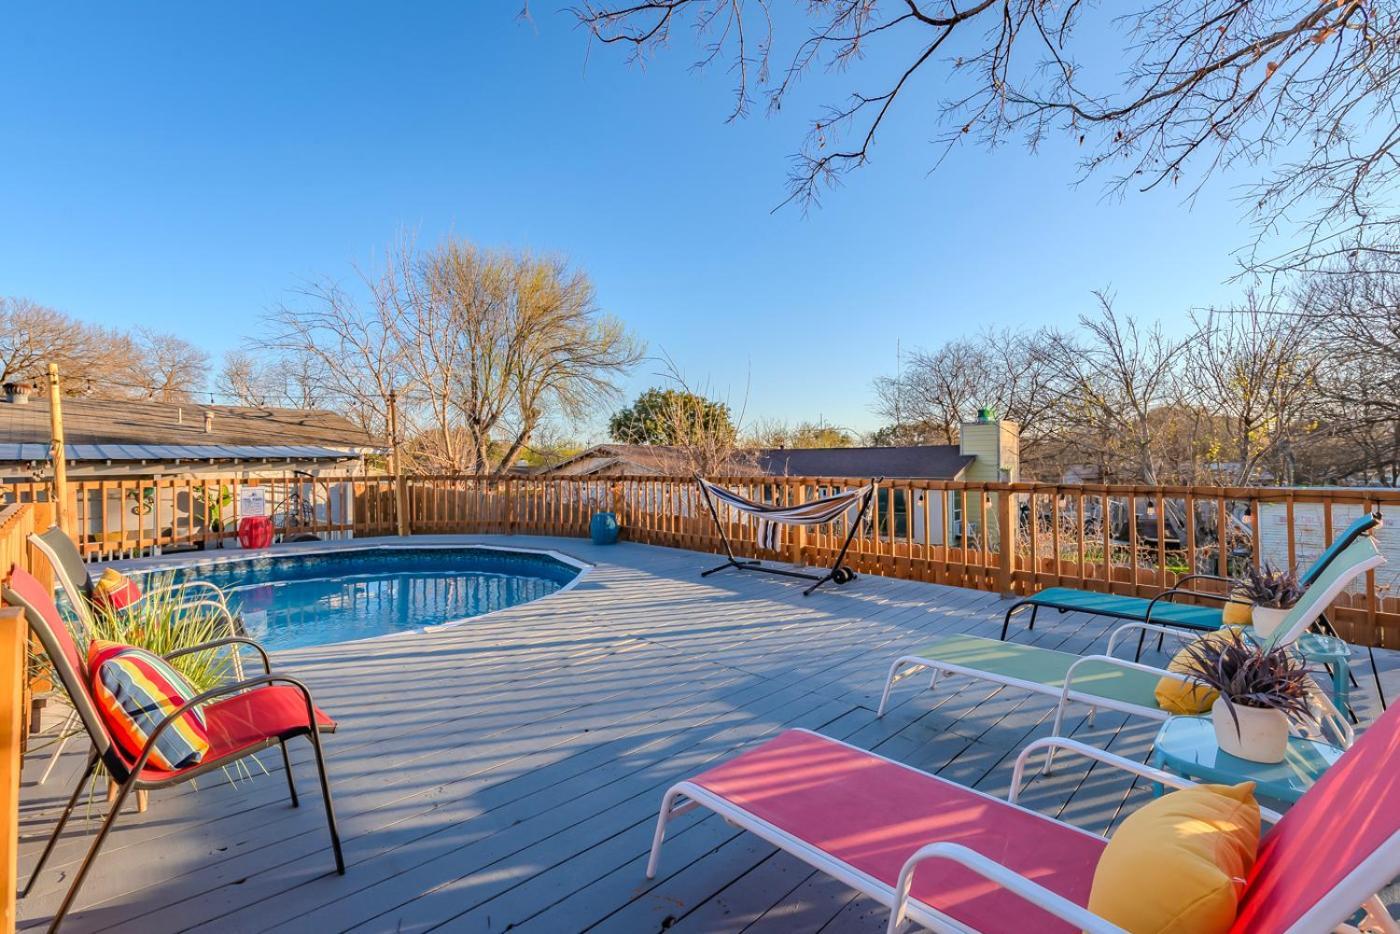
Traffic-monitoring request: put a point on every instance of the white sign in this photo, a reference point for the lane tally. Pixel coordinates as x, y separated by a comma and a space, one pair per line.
252, 501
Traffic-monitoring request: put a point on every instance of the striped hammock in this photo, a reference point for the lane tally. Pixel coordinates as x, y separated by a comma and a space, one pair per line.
772, 518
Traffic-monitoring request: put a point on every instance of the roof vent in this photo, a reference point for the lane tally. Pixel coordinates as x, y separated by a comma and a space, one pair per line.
16, 393
208, 423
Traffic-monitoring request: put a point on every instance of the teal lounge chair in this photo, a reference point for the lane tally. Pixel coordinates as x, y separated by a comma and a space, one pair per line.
1105, 680
1165, 611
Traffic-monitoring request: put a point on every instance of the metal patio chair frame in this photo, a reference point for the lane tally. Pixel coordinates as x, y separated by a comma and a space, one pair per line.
65, 559
22, 590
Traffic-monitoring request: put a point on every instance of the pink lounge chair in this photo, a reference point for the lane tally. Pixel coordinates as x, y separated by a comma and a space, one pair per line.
984, 864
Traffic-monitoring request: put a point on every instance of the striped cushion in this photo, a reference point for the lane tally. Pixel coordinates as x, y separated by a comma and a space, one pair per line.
135, 690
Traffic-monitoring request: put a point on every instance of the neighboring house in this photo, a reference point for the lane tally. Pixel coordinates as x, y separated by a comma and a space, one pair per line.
113, 438
988, 451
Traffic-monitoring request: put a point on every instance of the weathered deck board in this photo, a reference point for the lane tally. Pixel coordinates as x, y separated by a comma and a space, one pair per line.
506, 773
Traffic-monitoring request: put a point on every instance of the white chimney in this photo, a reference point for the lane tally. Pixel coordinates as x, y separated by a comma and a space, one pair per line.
208, 423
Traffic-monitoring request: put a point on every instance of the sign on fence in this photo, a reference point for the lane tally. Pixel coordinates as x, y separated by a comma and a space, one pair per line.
252, 501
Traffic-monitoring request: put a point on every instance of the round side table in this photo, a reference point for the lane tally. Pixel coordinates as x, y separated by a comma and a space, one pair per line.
1187, 746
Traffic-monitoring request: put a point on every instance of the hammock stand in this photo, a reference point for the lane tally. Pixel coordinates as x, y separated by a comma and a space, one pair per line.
811, 513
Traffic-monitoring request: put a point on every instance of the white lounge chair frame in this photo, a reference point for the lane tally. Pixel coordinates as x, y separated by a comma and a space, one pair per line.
1313, 605
686, 796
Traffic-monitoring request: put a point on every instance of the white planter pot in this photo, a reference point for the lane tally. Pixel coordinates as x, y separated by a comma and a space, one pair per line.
1262, 734
1267, 619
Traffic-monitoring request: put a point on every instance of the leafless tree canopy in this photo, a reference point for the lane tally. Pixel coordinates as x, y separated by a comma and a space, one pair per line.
479, 347
94, 361
1157, 92
1296, 387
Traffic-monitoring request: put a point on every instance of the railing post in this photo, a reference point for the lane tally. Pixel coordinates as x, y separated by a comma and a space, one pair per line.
13, 633
1006, 549
510, 505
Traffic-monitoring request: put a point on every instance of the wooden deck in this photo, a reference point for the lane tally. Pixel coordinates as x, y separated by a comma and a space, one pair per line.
505, 773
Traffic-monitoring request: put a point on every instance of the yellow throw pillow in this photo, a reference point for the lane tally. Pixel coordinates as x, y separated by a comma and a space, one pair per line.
1184, 697
1237, 612
1178, 865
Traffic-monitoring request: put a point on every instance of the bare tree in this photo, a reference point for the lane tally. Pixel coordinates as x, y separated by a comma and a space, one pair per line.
1122, 385
1170, 92
1253, 371
165, 368
261, 382
32, 336
350, 350
480, 346
1005, 370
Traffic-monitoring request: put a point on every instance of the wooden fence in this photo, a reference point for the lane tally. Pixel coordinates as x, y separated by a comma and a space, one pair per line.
16, 522
1011, 538
133, 516
1014, 538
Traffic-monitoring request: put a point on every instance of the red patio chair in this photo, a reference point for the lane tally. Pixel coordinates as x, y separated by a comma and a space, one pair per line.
242, 718
871, 823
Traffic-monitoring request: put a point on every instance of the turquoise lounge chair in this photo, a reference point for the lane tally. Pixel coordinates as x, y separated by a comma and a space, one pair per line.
1110, 682
1165, 611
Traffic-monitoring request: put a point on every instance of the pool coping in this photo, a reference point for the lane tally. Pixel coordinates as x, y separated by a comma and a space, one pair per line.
284, 549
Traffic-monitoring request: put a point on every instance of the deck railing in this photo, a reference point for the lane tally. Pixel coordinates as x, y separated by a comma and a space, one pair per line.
16, 522
133, 516
1015, 538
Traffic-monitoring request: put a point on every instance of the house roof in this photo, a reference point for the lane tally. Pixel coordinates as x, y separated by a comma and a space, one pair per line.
659, 459
927, 461
932, 461
120, 430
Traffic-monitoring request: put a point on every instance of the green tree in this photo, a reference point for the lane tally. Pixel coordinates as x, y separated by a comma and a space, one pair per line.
671, 416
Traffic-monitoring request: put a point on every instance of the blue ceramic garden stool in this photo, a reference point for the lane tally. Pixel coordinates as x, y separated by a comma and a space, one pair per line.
604, 528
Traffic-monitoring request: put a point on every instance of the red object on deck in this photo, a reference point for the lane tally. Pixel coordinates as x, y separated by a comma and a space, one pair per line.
873, 814
255, 531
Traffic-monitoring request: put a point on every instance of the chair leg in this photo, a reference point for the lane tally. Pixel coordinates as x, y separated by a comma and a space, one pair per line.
1376, 673
287, 766
667, 800
63, 737
62, 820
326, 797
72, 895
1035, 608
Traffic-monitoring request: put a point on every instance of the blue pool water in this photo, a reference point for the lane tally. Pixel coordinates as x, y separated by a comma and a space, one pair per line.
313, 599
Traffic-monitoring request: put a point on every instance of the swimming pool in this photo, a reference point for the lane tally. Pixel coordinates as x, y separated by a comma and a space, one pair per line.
293, 600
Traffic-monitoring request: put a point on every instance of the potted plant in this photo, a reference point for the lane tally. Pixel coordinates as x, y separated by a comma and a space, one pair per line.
1273, 593
1260, 690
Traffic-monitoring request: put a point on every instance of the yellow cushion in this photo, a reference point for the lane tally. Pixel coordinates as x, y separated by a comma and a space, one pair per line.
1237, 612
1183, 697
1178, 865
111, 581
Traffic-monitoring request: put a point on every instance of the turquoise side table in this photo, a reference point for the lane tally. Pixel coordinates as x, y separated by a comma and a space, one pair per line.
1335, 653
1186, 746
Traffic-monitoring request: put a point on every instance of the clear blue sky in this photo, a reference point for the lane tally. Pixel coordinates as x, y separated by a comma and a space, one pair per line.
180, 166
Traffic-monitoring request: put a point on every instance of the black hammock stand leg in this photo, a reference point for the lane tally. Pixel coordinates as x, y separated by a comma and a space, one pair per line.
742, 564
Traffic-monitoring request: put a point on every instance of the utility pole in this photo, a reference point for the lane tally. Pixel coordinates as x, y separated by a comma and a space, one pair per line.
396, 467
57, 455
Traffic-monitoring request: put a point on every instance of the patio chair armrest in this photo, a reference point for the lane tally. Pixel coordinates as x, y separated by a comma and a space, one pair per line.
191, 585
1115, 663
218, 643
1140, 769
220, 691
1011, 881
1207, 577
1168, 596
1176, 633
